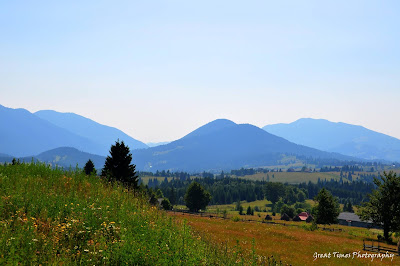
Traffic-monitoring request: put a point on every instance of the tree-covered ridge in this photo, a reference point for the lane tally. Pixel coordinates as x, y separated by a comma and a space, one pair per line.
228, 190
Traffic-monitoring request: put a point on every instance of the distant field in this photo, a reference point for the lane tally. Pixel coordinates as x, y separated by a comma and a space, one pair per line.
230, 208
300, 177
289, 177
231, 212
293, 177
283, 177
294, 245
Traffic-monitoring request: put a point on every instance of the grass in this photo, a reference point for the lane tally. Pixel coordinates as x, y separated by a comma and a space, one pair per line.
295, 245
50, 216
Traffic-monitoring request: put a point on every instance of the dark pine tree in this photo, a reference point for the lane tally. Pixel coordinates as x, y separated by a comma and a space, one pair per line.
118, 166
196, 197
89, 167
327, 209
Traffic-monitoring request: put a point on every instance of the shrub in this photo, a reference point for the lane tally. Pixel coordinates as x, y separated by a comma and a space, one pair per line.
166, 204
289, 210
235, 219
225, 214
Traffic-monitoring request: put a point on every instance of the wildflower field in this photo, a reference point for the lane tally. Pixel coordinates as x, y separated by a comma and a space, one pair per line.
52, 216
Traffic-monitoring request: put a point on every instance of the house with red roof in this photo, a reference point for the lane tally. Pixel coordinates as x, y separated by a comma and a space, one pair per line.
303, 216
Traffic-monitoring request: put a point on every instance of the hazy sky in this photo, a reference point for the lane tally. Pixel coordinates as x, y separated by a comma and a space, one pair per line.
159, 69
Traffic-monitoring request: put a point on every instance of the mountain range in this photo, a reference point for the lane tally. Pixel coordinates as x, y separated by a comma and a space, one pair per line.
222, 145
347, 139
103, 136
69, 139
26, 134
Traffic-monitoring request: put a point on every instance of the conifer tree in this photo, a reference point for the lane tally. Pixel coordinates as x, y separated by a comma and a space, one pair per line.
89, 167
118, 166
327, 209
196, 197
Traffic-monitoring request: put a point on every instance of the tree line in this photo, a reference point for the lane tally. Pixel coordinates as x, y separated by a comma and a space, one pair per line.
229, 190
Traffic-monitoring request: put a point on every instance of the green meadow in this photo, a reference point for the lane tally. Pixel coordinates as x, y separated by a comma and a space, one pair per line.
51, 216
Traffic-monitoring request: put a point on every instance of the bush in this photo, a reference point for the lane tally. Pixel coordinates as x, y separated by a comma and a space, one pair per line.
312, 227
289, 210
166, 205
235, 219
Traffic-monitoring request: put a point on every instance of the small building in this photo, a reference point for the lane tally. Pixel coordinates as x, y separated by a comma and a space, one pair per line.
303, 216
296, 218
352, 219
285, 217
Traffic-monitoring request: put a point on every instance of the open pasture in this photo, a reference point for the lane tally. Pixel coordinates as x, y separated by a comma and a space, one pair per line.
294, 245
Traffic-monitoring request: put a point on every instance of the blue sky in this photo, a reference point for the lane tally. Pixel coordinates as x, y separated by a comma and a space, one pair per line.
159, 69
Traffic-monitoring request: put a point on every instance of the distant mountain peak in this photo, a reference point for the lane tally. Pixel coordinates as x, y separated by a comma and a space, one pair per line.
102, 135
348, 139
27, 134
211, 127
223, 145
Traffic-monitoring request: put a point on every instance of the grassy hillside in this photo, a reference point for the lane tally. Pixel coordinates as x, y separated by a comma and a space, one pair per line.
53, 217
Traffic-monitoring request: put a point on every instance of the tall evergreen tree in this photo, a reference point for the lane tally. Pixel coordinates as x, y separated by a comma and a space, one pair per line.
327, 209
118, 166
383, 207
196, 197
89, 167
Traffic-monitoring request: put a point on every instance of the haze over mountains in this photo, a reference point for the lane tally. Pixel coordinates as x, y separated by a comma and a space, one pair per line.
155, 144
102, 135
68, 139
67, 156
223, 145
25, 134
351, 140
